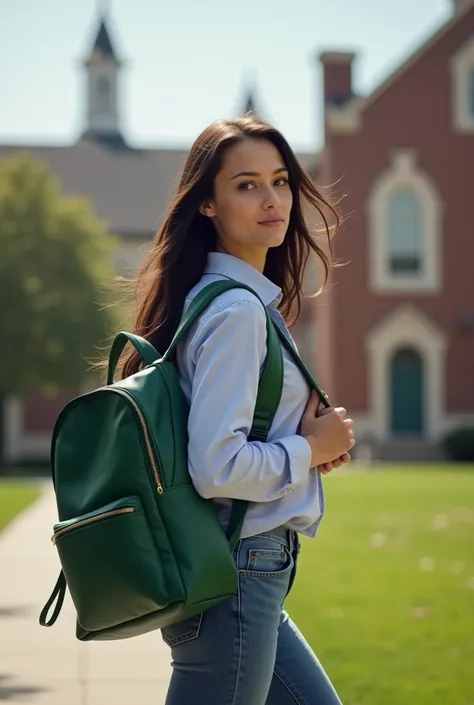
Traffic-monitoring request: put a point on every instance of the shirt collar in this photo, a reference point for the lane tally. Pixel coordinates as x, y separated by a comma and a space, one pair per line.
232, 267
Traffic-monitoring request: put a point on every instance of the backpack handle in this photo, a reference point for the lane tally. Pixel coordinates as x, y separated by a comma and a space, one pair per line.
146, 350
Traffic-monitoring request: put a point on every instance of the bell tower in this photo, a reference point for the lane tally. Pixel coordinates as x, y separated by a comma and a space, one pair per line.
103, 73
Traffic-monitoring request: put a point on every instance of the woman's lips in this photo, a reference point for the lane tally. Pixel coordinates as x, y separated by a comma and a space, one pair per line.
272, 223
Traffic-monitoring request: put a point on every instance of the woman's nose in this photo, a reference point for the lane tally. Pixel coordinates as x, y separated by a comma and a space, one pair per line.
271, 199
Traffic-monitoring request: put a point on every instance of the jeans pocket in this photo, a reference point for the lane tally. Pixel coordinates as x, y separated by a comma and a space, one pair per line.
181, 632
259, 561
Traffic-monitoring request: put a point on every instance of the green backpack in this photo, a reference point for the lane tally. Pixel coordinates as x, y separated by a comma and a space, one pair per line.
139, 548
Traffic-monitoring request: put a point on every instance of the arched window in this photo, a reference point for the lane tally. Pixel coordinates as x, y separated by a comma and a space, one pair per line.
405, 224
404, 233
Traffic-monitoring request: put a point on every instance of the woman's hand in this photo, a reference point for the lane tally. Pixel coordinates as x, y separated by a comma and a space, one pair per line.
338, 462
334, 464
329, 434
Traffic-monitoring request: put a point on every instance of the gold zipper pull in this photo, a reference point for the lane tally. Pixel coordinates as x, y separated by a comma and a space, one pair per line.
92, 520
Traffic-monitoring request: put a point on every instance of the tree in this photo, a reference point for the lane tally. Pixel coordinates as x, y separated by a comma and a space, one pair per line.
55, 263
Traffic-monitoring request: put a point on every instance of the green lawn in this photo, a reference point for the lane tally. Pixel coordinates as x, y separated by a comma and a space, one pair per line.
385, 593
14, 497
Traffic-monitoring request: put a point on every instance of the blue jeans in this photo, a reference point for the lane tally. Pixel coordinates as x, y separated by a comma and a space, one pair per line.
246, 650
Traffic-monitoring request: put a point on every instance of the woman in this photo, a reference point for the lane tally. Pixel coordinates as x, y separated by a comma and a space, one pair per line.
238, 215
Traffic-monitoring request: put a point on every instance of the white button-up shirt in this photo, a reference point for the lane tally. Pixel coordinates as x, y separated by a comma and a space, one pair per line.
219, 362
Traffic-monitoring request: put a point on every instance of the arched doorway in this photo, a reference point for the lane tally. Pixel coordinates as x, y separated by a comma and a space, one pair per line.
406, 393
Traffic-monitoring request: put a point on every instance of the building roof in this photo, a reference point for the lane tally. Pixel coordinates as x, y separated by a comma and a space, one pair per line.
418, 54
130, 188
103, 43
102, 47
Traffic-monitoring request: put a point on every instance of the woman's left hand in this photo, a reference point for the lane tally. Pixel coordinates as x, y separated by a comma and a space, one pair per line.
342, 460
327, 467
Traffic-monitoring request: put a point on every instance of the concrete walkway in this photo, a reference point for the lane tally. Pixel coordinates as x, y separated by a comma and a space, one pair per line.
40, 666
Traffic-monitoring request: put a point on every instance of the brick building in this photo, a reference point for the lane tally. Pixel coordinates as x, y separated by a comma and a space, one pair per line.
396, 330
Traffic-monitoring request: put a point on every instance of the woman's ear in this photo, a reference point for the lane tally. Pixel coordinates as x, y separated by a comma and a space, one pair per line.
207, 209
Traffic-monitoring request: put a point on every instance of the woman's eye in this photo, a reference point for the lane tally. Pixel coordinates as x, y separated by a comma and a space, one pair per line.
248, 185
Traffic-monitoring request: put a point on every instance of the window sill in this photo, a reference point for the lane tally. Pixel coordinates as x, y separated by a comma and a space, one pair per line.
402, 285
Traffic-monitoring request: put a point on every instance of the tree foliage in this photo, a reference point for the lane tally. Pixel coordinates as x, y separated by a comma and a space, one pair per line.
55, 268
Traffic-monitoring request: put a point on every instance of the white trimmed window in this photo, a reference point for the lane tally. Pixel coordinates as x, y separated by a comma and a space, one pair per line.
404, 233
404, 214
462, 76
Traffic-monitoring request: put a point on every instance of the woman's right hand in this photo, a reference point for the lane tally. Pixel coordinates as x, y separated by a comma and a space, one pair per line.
330, 435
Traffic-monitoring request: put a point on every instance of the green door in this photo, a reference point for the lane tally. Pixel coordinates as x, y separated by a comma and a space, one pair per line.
406, 393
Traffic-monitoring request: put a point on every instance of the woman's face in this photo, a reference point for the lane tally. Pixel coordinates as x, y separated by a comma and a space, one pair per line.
252, 201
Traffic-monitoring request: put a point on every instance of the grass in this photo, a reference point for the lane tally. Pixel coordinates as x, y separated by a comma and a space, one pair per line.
385, 593
14, 498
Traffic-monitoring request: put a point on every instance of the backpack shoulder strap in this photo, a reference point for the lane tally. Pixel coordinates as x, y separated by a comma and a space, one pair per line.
269, 389
271, 379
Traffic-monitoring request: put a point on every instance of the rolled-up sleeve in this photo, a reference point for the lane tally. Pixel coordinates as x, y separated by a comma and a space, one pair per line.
228, 349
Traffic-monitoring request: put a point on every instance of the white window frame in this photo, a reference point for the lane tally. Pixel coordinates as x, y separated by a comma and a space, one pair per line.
392, 252
404, 174
462, 63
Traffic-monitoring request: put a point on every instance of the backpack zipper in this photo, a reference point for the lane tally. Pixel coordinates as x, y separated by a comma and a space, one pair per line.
146, 434
91, 520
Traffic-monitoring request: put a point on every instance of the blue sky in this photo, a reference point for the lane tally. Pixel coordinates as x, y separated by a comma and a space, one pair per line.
187, 62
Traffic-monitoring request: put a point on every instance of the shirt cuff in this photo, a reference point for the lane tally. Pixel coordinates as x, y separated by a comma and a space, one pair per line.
299, 455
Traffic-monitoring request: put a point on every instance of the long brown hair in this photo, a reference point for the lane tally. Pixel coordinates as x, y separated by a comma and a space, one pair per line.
178, 255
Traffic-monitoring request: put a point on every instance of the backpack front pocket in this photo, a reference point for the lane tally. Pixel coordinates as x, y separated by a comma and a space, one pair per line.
111, 564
